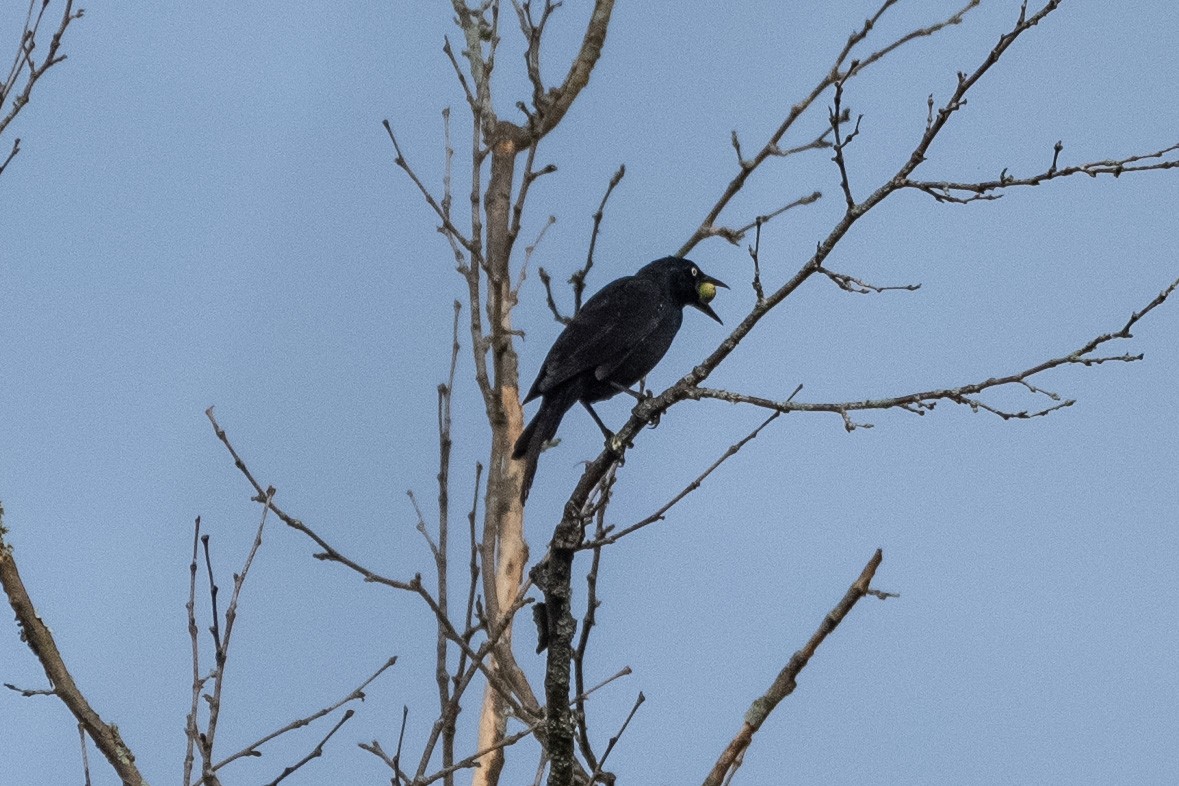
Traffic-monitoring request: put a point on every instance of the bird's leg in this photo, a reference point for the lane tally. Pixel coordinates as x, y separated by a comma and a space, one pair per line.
645, 394
641, 395
613, 443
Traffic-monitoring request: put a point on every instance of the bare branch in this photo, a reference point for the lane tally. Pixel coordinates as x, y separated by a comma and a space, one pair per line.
835, 118
659, 515
477, 28
473, 759
30, 692
923, 401
458, 72
754, 254
316, 752
785, 682
614, 740
448, 228
962, 193
357, 694
589, 620
393, 762
531, 175
198, 683
533, 33
24, 63
529, 250
473, 585
11, 155
859, 287
735, 236
221, 644
330, 554
442, 551
37, 635
773, 148
924, 32
547, 280
578, 279
556, 102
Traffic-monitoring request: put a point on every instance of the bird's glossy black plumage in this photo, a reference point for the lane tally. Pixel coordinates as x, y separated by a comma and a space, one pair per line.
619, 335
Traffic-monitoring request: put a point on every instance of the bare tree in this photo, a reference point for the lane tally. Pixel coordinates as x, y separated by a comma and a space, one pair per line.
475, 622
564, 714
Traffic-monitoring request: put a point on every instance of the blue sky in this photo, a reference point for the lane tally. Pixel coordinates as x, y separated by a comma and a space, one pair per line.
206, 212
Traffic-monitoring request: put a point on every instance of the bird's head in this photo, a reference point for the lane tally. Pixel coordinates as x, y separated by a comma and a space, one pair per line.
690, 285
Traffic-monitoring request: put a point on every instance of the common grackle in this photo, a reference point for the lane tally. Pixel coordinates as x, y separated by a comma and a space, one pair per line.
619, 335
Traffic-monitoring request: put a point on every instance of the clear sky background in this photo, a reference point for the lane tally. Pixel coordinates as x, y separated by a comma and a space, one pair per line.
206, 211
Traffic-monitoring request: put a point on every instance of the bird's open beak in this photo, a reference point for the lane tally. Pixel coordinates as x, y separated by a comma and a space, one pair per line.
705, 291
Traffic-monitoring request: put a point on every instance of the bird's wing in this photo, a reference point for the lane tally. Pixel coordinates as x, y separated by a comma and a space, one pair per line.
609, 326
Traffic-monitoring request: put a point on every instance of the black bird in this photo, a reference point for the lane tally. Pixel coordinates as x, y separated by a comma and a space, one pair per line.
619, 335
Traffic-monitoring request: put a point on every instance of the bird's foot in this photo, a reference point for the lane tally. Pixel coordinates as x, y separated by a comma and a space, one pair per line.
646, 396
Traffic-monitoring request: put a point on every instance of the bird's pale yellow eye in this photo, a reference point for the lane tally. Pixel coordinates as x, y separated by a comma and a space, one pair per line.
706, 290
695, 272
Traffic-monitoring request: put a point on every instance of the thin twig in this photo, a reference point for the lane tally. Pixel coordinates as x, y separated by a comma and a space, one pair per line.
473, 565
11, 155
614, 740
448, 226
529, 250
754, 252
736, 235
661, 513
375, 749
860, 287
578, 279
400, 743
836, 120
191, 731
547, 281
316, 752
222, 642
442, 550
328, 553
587, 625
29, 692
357, 694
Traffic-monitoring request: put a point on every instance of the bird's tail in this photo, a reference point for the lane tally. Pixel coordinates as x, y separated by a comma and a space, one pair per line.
540, 430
